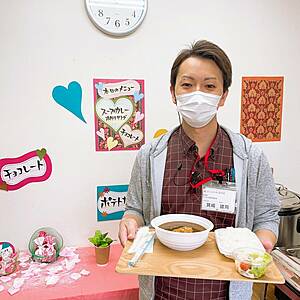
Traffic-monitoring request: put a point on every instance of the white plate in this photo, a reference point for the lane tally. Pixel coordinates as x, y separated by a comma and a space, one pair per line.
228, 239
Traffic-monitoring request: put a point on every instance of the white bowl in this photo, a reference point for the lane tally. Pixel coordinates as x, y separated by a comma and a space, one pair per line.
178, 240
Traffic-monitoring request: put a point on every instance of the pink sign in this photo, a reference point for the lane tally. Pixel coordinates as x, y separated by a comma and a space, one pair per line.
119, 114
15, 173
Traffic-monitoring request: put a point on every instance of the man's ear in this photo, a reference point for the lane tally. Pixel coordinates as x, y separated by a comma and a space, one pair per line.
223, 99
172, 91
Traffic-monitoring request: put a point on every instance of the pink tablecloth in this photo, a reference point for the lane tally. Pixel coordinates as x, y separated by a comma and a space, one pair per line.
101, 283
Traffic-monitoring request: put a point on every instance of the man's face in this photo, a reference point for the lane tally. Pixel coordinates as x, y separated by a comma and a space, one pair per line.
199, 74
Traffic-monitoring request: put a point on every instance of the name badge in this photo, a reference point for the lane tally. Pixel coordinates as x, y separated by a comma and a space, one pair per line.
219, 197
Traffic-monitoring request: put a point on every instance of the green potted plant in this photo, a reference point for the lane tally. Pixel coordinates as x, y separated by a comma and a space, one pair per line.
102, 242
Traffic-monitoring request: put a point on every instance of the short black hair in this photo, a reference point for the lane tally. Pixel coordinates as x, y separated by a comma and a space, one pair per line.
208, 50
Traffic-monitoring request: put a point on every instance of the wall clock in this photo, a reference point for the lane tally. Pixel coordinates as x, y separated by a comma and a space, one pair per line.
117, 17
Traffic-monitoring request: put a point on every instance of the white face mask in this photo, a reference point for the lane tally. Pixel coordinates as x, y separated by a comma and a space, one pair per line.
197, 108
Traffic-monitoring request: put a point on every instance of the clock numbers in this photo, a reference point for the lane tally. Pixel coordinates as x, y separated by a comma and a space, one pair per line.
100, 13
117, 22
117, 17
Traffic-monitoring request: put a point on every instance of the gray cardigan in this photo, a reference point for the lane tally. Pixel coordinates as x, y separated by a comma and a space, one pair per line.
257, 201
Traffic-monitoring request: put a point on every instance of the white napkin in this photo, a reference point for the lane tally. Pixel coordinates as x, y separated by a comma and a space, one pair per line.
141, 237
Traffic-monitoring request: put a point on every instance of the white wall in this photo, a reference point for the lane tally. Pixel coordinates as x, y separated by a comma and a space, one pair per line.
49, 43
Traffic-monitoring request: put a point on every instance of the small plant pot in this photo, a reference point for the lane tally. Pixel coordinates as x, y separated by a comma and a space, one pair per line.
102, 255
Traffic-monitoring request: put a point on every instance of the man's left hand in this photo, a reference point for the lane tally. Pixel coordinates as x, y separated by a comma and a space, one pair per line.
268, 245
267, 238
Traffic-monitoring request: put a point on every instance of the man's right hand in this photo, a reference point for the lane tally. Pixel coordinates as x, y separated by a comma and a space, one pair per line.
127, 230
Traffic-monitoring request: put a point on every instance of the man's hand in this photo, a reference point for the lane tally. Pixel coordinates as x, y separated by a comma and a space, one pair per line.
127, 229
267, 238
268, 245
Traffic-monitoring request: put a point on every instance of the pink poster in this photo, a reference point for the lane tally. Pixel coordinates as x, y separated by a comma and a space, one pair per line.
119, 114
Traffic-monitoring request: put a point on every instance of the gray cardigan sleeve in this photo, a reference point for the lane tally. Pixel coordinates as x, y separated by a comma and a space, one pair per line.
134, 200
267, 204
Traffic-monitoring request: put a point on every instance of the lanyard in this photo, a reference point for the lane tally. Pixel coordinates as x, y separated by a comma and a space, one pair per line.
212, 172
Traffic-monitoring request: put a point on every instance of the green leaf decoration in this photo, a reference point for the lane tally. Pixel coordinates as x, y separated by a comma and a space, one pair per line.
4, 186
41, 153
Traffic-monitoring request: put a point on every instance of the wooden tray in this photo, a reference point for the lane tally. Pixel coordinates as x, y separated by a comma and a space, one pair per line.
205, 262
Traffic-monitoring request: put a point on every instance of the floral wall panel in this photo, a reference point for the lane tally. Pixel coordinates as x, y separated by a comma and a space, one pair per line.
261, 108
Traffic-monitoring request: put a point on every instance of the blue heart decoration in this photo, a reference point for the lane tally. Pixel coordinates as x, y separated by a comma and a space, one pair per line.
69, 98
99, 87
137, 96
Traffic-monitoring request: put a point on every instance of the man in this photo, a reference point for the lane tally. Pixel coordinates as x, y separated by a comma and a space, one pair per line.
170, 173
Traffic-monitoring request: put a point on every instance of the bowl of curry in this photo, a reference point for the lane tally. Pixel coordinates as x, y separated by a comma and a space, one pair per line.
182, 232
